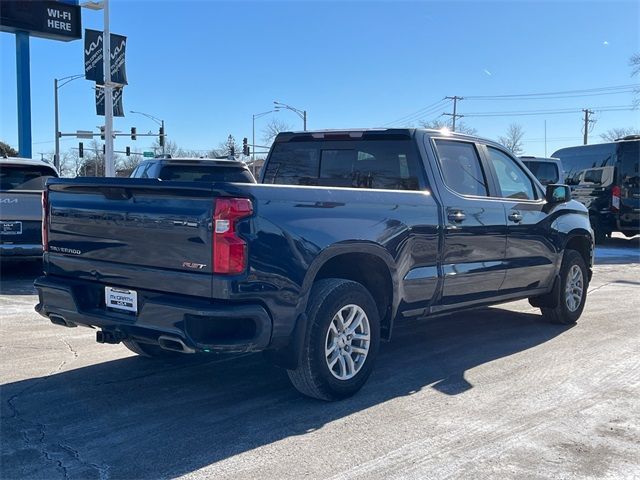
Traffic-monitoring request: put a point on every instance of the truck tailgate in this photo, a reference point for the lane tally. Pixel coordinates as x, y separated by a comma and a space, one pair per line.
145, 234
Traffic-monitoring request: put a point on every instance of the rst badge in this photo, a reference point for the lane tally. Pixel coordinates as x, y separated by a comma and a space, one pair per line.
193, 265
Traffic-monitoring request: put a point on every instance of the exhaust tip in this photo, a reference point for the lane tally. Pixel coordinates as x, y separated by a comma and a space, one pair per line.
174, 344
59, 320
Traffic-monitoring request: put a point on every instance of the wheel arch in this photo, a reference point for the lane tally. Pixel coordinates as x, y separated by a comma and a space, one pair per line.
366, 263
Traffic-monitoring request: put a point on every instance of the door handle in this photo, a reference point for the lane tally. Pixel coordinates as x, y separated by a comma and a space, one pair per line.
515, 217
456, 216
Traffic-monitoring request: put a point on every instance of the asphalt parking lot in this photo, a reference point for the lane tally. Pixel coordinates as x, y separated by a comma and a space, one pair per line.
490, 393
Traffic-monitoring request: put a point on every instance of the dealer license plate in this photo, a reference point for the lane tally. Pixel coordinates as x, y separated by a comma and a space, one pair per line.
121, 299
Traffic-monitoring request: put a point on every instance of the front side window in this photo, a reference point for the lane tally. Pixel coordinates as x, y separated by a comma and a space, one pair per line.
461, 168
512, 180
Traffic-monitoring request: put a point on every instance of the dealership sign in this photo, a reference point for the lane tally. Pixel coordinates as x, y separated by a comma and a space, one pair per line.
45, 19
93, 57
118, 110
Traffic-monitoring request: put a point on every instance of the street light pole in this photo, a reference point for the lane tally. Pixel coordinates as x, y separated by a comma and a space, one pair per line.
109, 167
301, 113
253, 139
56, 86
159, 122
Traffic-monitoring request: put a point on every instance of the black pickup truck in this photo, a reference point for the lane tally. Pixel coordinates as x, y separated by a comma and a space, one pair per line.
346, 233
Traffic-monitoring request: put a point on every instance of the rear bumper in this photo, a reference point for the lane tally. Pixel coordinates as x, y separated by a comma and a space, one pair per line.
20, 250
202, 325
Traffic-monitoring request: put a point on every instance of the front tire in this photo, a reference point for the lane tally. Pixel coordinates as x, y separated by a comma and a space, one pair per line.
341, 342
572, 294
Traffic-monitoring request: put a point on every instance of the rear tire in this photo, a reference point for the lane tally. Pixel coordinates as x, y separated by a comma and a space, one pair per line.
341, 342
572, 294
149, 350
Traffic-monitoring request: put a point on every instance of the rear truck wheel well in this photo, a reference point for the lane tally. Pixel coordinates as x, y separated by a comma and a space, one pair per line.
371, 272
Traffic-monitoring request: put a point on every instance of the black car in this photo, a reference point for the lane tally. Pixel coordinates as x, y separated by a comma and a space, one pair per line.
606, 179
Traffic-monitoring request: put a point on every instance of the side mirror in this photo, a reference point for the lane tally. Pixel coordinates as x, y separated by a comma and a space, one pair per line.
557, 193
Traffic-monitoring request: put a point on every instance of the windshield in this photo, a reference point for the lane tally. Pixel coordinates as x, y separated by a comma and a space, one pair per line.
205, 173
24, 177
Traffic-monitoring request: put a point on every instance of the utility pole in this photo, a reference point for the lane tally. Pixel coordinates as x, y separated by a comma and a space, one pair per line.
109, 167
587, 120
304, 120
455, 99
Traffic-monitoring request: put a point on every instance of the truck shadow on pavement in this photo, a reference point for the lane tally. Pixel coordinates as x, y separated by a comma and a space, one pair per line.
141, 418
17, 276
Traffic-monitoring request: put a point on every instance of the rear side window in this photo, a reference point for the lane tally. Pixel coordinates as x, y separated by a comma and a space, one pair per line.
546, 172
461, 168
24, 177
205, 173
512, 180
381, 164
292, 164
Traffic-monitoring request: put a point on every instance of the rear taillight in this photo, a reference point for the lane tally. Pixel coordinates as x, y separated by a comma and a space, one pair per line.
45, 220
615, 199
229, 250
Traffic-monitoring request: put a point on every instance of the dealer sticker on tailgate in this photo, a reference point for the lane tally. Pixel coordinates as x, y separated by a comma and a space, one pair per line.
121, 299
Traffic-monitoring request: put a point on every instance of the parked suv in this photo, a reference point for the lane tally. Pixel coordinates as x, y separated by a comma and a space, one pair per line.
547, 170
21, 183
606, 179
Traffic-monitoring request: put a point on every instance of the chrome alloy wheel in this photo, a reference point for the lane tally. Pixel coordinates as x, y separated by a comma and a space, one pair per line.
347, 342
574, 288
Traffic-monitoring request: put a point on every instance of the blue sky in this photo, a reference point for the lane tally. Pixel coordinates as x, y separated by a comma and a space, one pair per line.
205, 67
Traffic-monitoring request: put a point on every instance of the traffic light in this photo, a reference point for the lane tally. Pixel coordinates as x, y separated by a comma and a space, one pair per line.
161, 137
128, 151
133, 133
102, 137
80, 149
245, 147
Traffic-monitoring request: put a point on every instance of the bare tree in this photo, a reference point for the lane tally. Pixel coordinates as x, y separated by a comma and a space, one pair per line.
513, 138
439, 124
272, 129
71, 163
615, 133
227, 148
634, 63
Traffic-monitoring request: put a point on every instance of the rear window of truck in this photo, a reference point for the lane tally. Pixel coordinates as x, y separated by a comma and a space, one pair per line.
24, 177
546, 172
380, 164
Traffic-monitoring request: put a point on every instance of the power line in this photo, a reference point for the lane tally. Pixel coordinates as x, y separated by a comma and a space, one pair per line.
608, 108
419, 113
585, 92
